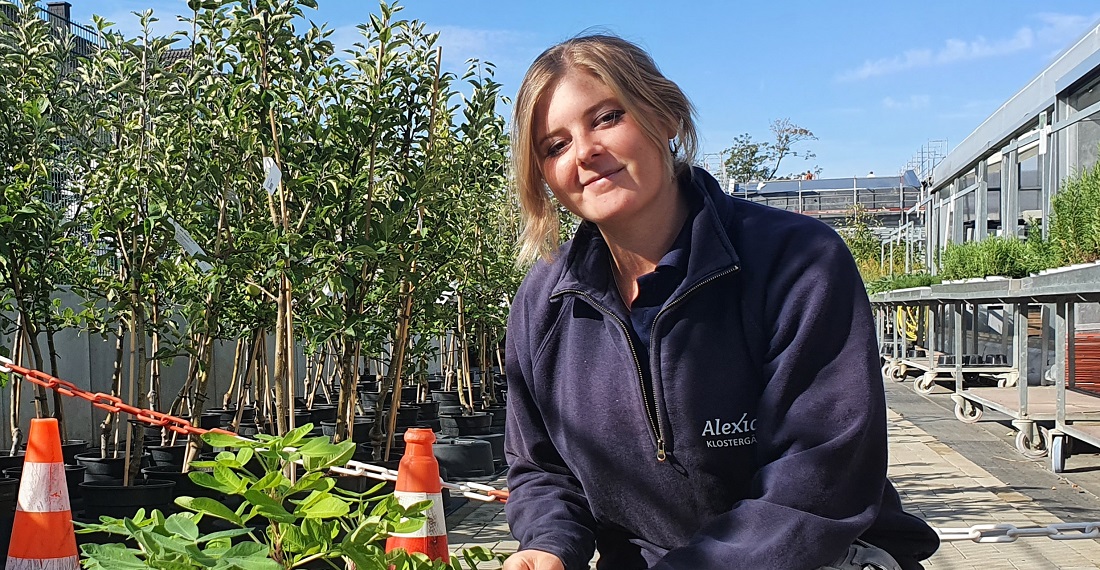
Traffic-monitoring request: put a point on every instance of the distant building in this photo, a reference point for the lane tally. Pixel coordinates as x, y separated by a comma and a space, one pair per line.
889, 199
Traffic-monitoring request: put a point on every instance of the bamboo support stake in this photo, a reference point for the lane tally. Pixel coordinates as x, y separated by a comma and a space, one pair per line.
16, 388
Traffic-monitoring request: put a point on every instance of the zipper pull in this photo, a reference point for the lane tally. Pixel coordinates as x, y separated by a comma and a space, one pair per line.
661, 456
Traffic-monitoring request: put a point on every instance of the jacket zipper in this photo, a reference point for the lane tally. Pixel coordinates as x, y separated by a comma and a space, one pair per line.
652, 412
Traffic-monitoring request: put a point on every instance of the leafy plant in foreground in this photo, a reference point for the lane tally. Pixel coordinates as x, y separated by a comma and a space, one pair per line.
281, 522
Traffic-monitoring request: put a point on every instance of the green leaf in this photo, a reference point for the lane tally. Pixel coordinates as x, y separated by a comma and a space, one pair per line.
267, 507
326, 508
111, 557
182, 525
248, 556
222, 440
208, 506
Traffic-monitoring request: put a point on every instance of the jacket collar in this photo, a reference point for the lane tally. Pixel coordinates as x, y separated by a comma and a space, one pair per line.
587, 259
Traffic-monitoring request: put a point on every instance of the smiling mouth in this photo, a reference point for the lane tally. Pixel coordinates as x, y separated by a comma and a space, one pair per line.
602, 176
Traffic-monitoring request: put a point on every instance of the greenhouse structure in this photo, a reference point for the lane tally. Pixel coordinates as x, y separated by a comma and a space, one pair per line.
1025, 346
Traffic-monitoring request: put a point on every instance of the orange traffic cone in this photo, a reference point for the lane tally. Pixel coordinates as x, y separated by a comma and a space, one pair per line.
418, 480
42, 535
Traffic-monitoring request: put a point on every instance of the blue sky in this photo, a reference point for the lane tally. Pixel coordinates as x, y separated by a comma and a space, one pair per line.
874, 80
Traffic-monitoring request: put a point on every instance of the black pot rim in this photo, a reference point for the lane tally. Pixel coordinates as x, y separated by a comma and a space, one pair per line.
147, 483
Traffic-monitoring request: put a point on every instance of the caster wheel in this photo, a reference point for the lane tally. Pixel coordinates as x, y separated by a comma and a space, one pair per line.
887, 369
925, 384
969, 412
897, 372
1030, 449
1058, 449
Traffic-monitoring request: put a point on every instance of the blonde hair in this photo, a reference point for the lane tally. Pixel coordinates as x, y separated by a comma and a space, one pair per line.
655, 102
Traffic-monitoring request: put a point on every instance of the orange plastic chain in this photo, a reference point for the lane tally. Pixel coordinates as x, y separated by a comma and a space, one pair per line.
107, 402
114, 404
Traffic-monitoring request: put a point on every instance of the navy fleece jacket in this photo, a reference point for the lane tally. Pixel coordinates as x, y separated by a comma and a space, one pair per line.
759, 440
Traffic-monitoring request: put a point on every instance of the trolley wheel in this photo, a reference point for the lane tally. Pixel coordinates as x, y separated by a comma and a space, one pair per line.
969, 412
1031, 449
897, 372
925, 384
887, 369
1058, 453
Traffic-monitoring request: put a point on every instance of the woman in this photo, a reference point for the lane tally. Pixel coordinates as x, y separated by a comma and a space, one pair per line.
693, 379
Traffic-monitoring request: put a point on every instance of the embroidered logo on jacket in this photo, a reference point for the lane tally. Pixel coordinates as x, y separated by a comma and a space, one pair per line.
744, 429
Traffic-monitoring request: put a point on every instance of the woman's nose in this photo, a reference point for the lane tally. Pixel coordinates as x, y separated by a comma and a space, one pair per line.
587, 147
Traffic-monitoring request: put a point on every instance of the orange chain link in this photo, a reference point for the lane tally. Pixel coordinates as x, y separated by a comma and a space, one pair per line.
107, 402
114, 404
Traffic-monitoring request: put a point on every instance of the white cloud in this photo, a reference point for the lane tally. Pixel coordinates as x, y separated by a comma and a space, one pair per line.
1058, 29
1053, 29
909, 103
504, 48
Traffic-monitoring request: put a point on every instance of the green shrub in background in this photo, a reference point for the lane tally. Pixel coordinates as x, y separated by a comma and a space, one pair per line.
1075, 218
998, 255
902, 281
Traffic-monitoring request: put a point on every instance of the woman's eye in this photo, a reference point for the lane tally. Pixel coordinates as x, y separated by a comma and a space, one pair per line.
610, 117
555, 149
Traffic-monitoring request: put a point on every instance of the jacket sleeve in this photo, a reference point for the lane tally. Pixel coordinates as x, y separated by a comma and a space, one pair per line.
546, 509
821, 427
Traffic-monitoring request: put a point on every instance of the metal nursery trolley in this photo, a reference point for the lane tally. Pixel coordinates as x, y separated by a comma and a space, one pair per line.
982, 366
1076, 393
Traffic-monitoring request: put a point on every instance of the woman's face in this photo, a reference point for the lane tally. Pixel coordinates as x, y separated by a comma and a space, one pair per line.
595, 156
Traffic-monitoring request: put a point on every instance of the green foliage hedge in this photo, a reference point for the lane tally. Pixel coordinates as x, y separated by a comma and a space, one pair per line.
902, 281
1075, 223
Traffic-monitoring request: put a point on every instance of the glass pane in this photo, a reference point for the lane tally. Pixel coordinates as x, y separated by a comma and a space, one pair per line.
1088, 138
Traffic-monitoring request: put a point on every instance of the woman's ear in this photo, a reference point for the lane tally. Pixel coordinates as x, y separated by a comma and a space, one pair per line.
671, 131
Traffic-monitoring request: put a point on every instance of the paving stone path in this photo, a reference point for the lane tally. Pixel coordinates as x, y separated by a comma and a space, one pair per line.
936, 482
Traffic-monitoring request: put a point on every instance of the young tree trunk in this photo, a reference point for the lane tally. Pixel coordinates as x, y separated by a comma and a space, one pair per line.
465, 389
108, 423
17, 352
58, 399
29, 331
397, 362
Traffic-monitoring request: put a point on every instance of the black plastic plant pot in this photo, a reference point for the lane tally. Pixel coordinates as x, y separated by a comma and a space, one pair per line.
101, 468
407, 414
496, 443
368, 398
9, 495
409, 394
106, 468
116, 500
168, 454
465, 457
74, 476
185, 487
435, 425
11, 460
428, 410
225, 415
477, 423
210, 420
321, 413
360, 430
248, 429
500, 415
446, 397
